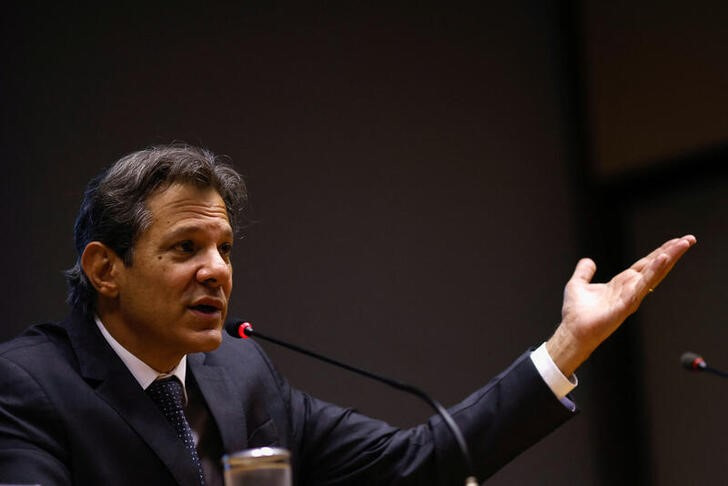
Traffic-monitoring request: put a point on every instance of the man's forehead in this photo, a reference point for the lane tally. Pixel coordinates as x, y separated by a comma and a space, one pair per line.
179, 202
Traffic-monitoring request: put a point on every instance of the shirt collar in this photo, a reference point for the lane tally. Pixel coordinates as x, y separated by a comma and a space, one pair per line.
142, 372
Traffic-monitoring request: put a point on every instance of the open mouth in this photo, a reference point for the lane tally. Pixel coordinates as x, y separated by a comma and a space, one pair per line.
205, 309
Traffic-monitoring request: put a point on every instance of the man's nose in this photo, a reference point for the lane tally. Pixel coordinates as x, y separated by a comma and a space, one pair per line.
215, 269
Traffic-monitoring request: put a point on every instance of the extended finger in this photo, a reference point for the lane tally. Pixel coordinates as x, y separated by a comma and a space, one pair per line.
660, 266
584, 270
674, 248
652, 274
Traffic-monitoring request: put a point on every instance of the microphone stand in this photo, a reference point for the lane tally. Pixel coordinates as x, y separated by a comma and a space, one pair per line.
245, 330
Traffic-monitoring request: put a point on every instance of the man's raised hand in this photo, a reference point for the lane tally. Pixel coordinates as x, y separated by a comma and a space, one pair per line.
591, 312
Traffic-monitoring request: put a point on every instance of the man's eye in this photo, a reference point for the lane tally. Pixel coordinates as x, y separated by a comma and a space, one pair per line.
226, 249
185, 246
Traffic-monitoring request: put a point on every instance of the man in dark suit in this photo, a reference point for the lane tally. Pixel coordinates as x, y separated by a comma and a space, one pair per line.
80, 399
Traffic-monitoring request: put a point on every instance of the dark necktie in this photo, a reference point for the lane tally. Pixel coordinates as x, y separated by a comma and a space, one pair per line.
168, 395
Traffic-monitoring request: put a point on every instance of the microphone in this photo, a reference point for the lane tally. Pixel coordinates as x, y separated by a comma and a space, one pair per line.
695, 362
692, 361
238, 328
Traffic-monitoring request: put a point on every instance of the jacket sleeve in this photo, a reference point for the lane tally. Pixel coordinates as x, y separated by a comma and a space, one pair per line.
340, 446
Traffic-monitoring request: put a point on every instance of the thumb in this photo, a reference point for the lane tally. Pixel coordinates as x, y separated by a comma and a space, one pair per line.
584, 270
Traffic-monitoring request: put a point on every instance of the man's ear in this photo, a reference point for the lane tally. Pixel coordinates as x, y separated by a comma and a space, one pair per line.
101, 265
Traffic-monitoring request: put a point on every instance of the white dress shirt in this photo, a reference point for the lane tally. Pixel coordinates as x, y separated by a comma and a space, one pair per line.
142, 372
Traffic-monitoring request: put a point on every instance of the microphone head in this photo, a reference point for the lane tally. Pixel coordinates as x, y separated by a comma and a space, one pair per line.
692, 361
238, 328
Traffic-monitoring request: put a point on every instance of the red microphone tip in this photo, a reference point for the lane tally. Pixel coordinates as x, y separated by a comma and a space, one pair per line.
243, 329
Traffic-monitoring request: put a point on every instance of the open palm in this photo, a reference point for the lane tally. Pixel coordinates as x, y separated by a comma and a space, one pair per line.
593, 311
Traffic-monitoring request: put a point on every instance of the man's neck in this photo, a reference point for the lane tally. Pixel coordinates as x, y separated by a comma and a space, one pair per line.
142, 371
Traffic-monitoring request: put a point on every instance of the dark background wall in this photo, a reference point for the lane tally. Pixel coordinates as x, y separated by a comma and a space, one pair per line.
423, 179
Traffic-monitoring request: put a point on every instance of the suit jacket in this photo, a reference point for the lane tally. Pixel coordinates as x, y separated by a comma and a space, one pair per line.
72, 413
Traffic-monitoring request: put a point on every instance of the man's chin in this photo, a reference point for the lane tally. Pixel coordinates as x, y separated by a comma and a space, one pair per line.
207, 340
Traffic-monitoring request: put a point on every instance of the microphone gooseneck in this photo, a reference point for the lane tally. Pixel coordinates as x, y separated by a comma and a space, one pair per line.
695, 362
240, 329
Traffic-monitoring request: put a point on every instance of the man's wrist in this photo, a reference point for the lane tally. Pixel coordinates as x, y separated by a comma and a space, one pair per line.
567, 352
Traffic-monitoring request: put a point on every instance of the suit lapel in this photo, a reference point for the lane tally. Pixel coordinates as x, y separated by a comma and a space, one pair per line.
114, 384
222, 399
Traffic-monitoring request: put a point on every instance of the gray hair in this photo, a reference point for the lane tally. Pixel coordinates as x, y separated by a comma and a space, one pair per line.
114, 210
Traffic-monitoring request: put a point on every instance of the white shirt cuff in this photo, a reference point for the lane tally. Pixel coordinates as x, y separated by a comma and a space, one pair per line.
552, 375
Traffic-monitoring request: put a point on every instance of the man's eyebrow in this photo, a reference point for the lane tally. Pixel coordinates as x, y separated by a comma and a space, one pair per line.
189, 229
